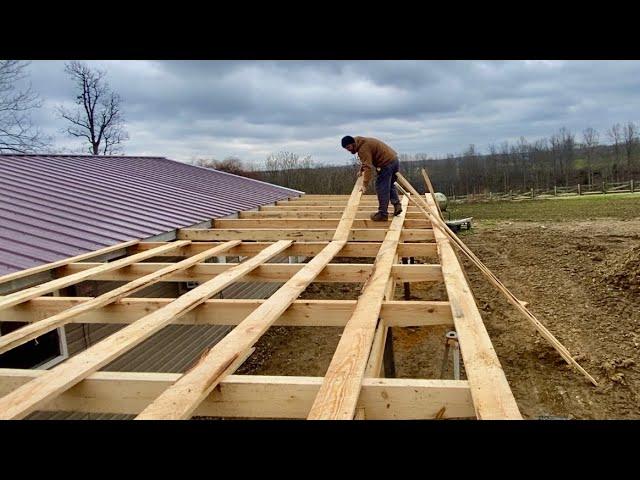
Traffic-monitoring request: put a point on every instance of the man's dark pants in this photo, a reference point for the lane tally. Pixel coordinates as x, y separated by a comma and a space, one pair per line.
385, 187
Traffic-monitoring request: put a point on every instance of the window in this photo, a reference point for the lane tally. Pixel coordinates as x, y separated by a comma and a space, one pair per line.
43, 352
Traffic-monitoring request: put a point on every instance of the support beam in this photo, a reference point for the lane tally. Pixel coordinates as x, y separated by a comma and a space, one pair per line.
259, 396
270, 272
33, 395
306, 249
340, 390
309, 234
271, 208
29, 332
48, 287
490, 390
181, 399
302, 313
317, 214
312, 223
329, 203
374, 365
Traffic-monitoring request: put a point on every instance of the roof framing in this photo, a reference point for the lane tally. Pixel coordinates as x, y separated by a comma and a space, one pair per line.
321, 228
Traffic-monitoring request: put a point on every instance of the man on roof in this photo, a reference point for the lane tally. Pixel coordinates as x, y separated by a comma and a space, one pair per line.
377, 155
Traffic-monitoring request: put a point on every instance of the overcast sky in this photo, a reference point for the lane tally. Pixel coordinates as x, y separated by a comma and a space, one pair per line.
213, 109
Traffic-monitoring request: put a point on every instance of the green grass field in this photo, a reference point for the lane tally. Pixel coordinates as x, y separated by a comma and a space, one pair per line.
619, 206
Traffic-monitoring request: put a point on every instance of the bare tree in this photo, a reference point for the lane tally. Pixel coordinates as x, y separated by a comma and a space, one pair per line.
98, 117
590, 137
17, 133
630, 137
615, 134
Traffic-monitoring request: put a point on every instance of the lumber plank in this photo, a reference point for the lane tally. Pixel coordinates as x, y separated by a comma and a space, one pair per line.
271, 272
181, 399
302, 313
247, 249
249, 396
29, 332
492, 396
78, 258
39, 391
307, 234
340, 389
315, 214
53, 285
313, 223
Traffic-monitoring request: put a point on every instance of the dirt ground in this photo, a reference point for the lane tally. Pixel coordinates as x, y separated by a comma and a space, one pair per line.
582, 280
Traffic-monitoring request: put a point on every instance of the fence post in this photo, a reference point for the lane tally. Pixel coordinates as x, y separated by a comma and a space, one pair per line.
510, 194
632, 185
555, 191
603, 188
579, 192
533, 195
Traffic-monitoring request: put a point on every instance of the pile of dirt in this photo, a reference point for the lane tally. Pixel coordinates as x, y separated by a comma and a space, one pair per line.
624, 272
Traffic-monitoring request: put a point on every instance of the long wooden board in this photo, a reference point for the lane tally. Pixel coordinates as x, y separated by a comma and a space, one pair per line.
340, 389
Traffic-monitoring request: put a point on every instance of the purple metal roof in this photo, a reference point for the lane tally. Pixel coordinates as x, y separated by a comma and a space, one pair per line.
57, 206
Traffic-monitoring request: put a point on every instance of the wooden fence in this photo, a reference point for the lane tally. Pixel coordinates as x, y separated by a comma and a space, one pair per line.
630, 186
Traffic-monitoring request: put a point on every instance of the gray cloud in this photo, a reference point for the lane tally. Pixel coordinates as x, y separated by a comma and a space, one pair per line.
186, 109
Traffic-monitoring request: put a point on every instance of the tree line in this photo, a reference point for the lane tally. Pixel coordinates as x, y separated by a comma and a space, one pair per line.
563, 159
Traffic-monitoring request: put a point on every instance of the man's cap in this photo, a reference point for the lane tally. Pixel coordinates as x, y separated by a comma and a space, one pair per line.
348, 140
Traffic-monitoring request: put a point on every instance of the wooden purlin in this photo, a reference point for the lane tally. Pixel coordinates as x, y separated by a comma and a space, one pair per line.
340, 389
181, 399
271, 272
307, 249
259, 396
29, 332
78, 258
48, 287
41, 390
300, 234
302, 313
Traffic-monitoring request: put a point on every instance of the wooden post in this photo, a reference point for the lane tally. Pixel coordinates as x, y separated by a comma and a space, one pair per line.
511, 194
603, 188
632, 185
555, 190
407, 285
532, 194
387, 357
579, 192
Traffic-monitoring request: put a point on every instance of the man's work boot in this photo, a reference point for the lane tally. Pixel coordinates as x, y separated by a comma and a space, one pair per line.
397, 209
379, 217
